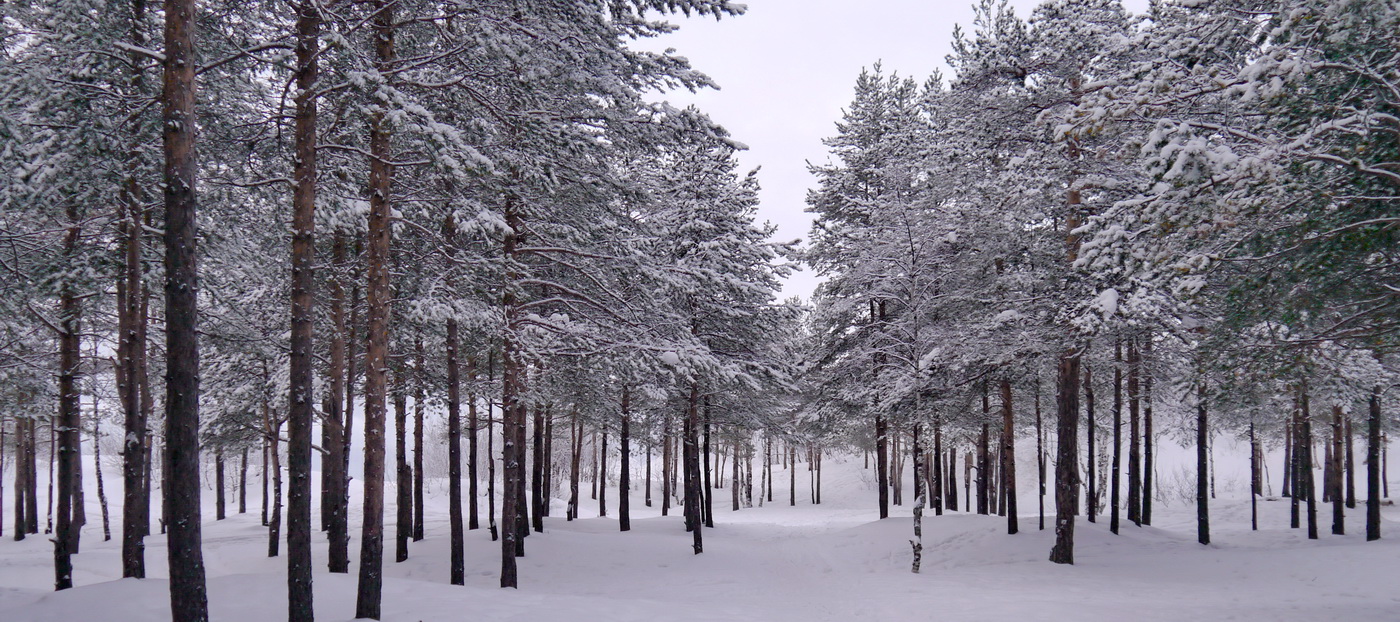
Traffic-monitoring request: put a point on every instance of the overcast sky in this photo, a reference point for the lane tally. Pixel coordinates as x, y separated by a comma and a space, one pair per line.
788, 67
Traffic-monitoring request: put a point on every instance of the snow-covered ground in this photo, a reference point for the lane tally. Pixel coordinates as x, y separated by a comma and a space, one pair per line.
834, 561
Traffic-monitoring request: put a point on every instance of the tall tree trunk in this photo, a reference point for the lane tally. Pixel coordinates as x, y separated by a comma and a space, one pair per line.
624, 484
473, 424
983, 460
403, 482
301, 412
548, 487
792, 475
1039, 453
1336, 466
97, 462
243, 482
708, 489
1117, 434
1008, 457
1309, 490
371, 580
337, 523
537, 493
1254, 483
575, 454
1349, 464
512, 408
603, 475
274, 524
1134, 434
1066, 459
219, 513
1202, 490
68, 422
952, 488
1147, 437
666, 459
188, 600
454, 457
131, 346
647, 498
694, 520
420, 381
1090, 496
491, 451
1295, 468
1288, 457
1373, 467
936, 467
882, 461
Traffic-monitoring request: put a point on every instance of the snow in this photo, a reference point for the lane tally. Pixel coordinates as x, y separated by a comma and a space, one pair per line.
834, 561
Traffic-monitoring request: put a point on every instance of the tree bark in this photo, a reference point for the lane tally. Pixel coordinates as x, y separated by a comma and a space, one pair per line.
1373, 467
219, 485
708, 489
1090, 496
1066, 459
1134, 431
624, 485
301, 412
403, 482
882, 461
337, 525
473, 424
1147, 437
377, 296
694, 520
420, 381
1008, 457
1202, 490
575, 454
1117, 434
537, 493
1349, 463
457, 544
1309, 490
188, 599
243, 482
68, 421
1338, 450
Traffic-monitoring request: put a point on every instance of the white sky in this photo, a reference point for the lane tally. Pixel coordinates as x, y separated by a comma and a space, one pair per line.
788, 67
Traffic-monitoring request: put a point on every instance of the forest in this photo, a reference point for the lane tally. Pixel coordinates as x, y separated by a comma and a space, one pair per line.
424, 273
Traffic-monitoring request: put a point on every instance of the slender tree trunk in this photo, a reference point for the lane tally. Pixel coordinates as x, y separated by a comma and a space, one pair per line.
1066, 459
491, 451
708, 489
473, 424
624, 485
1134, 431
243, 482
512, 407
1147, 437
1117, 434
983, 461
792, 476
1288, 457
1008, 457
575, 454
377, 296
337, 521
457, 543
882, 461
69, 421
420, 380
1336, 467
1309, 490
2, 479
1091, 496
936, 467
97, 462
548, 460
1039, 453
264, 473
694, 519
952, 488
301, 413
1295, 471
219, 513
648, 468
403, 481
274, 525
188, 600
1373, 467
666, 463
1349, 463
1202, 445
1254, 484
603, 476
537, 492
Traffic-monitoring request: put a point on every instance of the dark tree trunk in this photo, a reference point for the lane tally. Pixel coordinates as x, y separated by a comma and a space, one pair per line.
952, 488
1147, 437
1134, 434
65, 540
936, 467
575, 455
1090, 497
1254, 483
983, 460
694, 520
537, 493
337, 525
243, 482
1117, 435
491, 452
473, 425
1295, 468
377, 297
403, 482
188, 600
1349, 464
1039, 454
1066, 459
1373, 467
1336, 467
96, 460
264, 472
457, 543
1008, 457
1202, 449
219, 485
624, 485
709, 490
512, 408
301, 412
1288, 457
882, 461
420, 380
548, 460
274, 523
1306, 486
792, 475
648, 468
666, 459
603, 475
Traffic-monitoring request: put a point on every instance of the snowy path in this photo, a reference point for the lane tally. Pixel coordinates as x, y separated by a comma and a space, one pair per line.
809, 563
